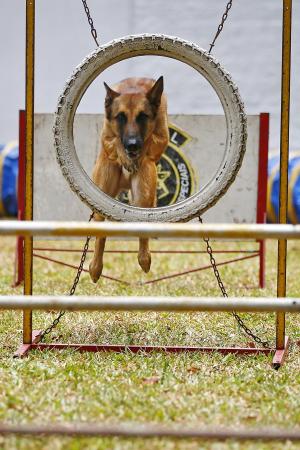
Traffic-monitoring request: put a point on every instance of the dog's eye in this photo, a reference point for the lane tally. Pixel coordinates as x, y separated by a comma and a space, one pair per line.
141, 117
121, 117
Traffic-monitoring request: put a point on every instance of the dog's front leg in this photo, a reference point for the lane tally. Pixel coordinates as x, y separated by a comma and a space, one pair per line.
106, 176
143, 188
96, 265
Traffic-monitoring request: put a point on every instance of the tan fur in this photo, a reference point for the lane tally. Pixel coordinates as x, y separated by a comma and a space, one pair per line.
114, 171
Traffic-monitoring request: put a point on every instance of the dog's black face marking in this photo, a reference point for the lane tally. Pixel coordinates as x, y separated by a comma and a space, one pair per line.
142, 122
132, 132
121, 119
132, 139
142, 119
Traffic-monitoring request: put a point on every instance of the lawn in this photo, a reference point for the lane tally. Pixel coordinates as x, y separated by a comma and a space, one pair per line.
192, 389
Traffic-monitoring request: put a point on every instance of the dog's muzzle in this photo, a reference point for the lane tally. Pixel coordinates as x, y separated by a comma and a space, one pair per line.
133, 147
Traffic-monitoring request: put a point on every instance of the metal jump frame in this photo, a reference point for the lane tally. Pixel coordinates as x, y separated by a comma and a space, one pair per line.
30, 338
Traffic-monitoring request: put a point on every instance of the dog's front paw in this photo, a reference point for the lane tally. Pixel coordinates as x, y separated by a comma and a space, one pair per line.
95, 271
145, 261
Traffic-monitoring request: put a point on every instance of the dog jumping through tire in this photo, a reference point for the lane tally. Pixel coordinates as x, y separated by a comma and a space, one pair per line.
133, 137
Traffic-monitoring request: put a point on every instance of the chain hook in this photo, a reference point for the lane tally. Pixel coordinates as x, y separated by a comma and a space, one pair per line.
220, 27
90, 21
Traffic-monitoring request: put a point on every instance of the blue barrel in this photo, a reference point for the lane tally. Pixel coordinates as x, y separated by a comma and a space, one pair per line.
293, 189
9, 158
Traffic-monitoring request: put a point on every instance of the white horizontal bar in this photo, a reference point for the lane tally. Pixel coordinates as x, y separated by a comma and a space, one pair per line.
177, 304
151, 230
147, 430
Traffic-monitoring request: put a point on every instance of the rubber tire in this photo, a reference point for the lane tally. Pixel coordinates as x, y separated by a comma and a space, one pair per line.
128, 47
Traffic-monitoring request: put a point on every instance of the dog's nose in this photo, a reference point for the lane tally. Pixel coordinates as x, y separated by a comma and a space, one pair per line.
132, 146
132, 141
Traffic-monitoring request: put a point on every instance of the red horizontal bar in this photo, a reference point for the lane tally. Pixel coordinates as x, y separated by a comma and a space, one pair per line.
192, 252
198, 269
155, 280
72, 266
149, 348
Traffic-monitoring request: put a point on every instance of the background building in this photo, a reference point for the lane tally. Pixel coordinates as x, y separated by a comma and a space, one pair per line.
249, 48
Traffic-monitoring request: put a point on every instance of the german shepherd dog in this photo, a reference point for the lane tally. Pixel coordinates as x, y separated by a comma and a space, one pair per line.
133, 138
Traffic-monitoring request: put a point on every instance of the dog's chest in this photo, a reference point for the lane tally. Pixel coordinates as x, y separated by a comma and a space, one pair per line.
125, 178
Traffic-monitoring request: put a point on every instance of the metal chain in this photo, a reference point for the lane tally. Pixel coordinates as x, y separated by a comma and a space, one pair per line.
241, 323
56, 321
239, 320
220, 27
90, 21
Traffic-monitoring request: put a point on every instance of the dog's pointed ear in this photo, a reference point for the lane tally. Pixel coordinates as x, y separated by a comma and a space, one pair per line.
155, 93
110, 95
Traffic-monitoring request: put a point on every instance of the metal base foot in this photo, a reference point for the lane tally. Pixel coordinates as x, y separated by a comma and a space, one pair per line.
280, 355
25, 348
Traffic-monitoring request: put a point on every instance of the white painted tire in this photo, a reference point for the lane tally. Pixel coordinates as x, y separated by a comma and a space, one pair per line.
128, 47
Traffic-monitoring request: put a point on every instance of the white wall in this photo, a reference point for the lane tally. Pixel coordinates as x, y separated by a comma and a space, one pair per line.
249, 48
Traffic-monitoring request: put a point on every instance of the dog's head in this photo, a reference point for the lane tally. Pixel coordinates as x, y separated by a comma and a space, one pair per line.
132, 116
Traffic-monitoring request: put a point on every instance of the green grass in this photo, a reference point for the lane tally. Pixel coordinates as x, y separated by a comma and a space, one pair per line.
192, 389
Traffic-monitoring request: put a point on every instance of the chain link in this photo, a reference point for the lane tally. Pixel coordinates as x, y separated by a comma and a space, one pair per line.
220, 27
239, 320
90, 21
56, 321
